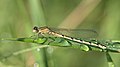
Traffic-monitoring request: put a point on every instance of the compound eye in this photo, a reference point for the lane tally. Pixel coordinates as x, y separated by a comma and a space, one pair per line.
35, 29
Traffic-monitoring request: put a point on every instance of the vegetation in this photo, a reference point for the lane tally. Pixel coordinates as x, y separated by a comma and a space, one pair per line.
17, 18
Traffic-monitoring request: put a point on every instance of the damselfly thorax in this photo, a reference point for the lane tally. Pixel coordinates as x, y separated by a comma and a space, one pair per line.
46, 30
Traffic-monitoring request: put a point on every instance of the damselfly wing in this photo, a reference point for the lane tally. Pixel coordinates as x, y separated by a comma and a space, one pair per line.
77, 33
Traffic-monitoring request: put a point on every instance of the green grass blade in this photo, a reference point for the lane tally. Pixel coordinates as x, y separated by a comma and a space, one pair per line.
38, 18
29, 40
23, 51
61, 42
109, 60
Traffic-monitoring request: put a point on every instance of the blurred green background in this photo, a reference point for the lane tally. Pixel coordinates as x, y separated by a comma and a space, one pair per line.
18, 17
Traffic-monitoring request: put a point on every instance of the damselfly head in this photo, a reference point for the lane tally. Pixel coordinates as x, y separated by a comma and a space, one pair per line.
41, 30
36, 29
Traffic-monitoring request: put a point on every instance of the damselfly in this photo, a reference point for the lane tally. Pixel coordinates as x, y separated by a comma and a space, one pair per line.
46, 30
